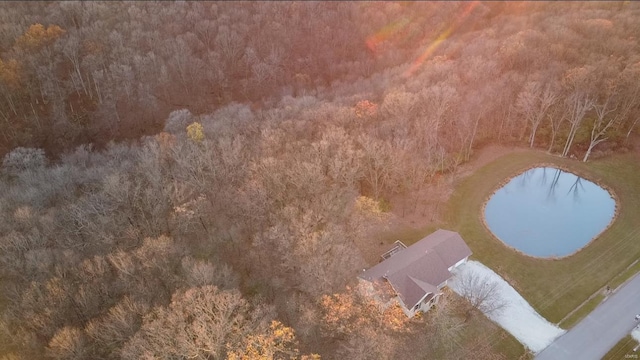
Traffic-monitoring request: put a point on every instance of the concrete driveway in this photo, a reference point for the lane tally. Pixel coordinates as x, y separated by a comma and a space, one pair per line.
595, 335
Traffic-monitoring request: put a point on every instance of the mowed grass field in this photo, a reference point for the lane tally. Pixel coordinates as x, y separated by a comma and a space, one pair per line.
554, 287
623, 350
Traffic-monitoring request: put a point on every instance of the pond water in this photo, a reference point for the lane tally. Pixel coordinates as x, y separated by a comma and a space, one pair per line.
547, 212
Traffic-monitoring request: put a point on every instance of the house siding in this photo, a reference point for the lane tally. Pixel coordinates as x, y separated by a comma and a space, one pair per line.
459, 263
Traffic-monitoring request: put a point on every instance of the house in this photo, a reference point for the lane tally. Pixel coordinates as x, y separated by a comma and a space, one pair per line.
418, 273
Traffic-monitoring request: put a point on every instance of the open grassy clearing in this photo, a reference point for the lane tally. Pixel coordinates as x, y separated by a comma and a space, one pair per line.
623, 350
582, 312
625, 275
553, 287
589, 305
408, 235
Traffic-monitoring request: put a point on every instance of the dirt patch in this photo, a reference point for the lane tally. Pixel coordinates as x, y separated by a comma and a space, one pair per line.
425, 207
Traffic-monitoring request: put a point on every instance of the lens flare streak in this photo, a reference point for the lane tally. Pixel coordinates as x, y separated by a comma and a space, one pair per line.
386, 33
442, 37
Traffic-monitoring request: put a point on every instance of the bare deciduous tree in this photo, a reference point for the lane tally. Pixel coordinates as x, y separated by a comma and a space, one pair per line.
444, 325
201, 272
20, 159
199, 323
362, 329
110, 331
600, 125
577, 106
533, 102
68, 343
481, 293
379, 164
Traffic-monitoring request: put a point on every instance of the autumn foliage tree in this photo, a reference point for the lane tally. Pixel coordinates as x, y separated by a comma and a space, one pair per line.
10, 74
366, 109
278, 342
353, 320
199, 323
37, 35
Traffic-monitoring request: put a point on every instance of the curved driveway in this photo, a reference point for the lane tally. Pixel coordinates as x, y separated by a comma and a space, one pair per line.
595, 335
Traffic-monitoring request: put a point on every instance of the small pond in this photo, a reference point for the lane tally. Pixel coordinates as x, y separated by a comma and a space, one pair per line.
547, 212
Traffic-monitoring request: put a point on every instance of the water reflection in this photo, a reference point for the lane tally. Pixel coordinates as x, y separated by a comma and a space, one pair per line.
548, 212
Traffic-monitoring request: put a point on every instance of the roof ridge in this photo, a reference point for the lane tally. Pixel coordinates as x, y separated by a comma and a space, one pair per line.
417, 281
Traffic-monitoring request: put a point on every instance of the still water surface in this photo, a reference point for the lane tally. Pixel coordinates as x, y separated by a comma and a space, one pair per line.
547, 212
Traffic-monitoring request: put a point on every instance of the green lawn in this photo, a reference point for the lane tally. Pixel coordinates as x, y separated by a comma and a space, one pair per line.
582, 312
553, 287
623, 350
408, 235
625, 275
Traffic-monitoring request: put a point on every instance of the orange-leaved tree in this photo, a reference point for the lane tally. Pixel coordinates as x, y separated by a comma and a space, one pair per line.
345, 313
37, 36
366, 108
278, 342
10, 74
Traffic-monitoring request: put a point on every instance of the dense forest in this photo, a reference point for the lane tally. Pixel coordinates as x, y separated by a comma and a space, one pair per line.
192, 179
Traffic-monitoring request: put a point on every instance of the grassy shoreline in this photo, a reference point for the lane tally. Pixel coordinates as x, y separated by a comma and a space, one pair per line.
553, 287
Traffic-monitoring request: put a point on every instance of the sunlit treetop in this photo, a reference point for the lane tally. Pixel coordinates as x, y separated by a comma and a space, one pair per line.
349, 311
195, 132
277, 342
369, 206
37, 36
366, 108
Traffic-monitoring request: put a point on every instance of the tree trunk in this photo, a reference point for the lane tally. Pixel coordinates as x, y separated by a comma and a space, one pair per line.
579, 104
632, 126
532, 138
586, 155
554, 132
553, 139
569, 142
98, 91
473, 136
12, 105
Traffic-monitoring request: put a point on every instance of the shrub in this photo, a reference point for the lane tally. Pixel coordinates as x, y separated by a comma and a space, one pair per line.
20, 159
195, 132
177, 121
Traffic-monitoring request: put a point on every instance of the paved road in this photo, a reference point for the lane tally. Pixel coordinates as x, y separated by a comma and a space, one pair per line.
596, 334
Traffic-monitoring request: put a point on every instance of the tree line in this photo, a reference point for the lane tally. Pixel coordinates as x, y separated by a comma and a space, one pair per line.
264, 141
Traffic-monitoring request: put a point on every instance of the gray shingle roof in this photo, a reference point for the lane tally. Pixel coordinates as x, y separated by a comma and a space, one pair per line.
422, 267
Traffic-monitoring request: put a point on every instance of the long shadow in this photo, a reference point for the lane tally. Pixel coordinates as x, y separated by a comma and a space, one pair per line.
575, 188
551, 194
526, 177
543, 178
